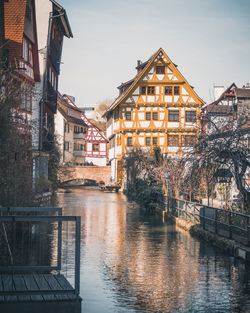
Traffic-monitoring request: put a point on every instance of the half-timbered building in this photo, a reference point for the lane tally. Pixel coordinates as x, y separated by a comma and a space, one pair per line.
96, 143
21, 50
19, 54
156, 107
70, 131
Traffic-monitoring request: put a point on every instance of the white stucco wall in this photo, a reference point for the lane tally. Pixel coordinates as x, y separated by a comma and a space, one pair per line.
59, 131
96, 161
43, 9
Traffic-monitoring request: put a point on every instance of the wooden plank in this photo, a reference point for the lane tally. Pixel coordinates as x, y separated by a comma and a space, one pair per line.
31, 285
54, 285
43, 285
8, 285
20, 286
63, 282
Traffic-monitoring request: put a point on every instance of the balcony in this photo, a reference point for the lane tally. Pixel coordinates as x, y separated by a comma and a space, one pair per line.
79, 153
80, 136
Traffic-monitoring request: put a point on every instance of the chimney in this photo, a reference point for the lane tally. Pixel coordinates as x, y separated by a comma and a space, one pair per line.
218, 90
138, 62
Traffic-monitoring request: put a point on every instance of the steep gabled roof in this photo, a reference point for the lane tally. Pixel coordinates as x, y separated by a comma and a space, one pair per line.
128, 83
90, 125
242, 92
145, 66
14, 18
226, 92
71, 119
63, 18
220, 109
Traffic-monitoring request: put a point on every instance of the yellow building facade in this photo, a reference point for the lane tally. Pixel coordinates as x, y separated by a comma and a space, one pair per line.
156, 107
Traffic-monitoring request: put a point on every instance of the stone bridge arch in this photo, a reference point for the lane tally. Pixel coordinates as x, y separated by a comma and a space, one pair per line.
97, 173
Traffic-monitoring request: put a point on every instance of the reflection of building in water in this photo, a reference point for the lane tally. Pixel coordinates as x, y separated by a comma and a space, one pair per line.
142, 262
33, 244
148, 266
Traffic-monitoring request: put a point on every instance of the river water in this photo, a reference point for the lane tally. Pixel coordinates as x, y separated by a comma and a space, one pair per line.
134, 263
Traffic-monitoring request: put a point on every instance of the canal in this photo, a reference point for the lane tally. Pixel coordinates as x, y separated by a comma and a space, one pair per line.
133, 263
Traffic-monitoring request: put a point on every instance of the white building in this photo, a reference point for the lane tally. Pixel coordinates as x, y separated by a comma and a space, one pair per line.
52, 25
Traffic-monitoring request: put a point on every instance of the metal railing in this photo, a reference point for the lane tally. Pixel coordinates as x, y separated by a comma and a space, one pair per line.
11, 216
225, 223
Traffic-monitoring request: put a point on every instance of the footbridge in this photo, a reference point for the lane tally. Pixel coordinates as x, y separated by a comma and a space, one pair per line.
85, 174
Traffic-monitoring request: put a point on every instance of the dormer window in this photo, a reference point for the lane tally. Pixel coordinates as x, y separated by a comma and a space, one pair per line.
160, 69
27, 51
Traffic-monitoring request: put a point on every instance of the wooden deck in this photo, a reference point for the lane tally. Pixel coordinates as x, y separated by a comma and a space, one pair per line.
37, 293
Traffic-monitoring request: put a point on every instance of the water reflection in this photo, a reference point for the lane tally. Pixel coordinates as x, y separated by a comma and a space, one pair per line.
132, 263
28, 243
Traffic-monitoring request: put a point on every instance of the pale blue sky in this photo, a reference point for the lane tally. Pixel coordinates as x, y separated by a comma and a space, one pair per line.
208, 39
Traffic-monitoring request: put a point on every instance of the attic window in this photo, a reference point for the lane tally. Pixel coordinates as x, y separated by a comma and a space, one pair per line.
176, 90
160, 69
151, 90
168, 90
128, 116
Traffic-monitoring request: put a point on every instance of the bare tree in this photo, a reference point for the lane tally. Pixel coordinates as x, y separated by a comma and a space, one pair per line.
15, 142
228, 148
101, 108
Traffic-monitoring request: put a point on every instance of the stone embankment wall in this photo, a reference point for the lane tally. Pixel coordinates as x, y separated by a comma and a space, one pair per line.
97, 173
229, 246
